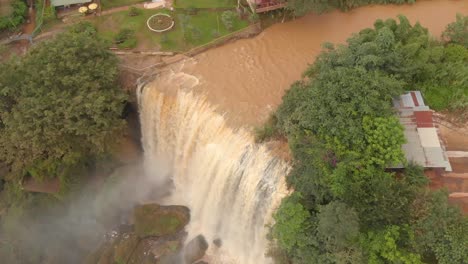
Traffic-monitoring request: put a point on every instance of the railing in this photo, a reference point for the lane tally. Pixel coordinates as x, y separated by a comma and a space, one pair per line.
269, 6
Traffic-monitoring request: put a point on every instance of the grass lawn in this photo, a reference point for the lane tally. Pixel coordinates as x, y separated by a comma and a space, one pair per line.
106, 4
205, 3
205, 23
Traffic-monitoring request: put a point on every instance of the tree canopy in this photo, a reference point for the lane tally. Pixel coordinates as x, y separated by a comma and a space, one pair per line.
343, 134
60, 104
457, 32
301, 7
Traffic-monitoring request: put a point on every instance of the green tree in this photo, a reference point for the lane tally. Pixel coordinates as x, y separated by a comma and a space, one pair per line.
457, 32
441, 230
383, 246
338, 225
384, 137
343, 133
61, 105
291, 223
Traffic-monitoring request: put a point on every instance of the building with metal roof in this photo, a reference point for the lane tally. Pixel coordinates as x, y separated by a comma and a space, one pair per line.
423, 145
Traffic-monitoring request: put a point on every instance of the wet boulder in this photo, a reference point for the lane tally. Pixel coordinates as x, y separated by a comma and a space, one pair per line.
195, 249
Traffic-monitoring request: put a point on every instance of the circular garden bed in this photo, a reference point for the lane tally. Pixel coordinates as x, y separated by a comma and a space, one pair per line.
160, 22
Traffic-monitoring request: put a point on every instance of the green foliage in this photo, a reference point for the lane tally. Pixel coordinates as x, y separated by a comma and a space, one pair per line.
134, 11
253, 17
267, 131
228, 17
83, 27
16, 16
384, 137
311, 169
60, 105
343, 133
301, 7
383, 247
49, 13
125, 39
441, 229
457, 32
446, 84
291, 223
338, 226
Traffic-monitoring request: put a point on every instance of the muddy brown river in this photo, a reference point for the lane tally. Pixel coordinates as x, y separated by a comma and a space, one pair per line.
247, 78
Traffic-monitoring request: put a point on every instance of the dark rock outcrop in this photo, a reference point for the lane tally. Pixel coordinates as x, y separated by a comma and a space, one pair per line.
195, 249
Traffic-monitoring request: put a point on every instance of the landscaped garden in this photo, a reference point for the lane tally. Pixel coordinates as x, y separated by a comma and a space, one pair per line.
191, 29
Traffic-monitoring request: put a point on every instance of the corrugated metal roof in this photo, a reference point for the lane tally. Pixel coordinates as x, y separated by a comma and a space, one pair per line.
424, 118
423, 145
68, 2
428, 137
407, 100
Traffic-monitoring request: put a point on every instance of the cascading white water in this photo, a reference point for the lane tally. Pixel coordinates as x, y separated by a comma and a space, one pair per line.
230, 184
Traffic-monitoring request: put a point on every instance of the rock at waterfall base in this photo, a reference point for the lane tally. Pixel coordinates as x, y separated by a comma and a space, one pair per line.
156, 220
195, 249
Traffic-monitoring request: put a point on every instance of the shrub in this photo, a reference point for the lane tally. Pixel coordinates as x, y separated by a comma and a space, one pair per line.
227, 17
49, 13
133, 11
83, 27
125, 39
253, 17
457, 32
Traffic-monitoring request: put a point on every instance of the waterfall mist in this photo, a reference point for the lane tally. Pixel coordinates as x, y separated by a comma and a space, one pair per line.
230, 184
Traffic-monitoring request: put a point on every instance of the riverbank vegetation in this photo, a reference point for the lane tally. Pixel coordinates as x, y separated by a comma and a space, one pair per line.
346, 206
61, 112
301, 7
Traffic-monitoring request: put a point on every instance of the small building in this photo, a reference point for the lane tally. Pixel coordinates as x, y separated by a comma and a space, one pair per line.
260, 6
424, 146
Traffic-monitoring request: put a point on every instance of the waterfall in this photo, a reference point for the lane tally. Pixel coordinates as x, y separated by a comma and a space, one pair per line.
230, 184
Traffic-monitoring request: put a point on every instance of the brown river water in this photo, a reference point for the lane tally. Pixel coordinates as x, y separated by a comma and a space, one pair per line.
247, 78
